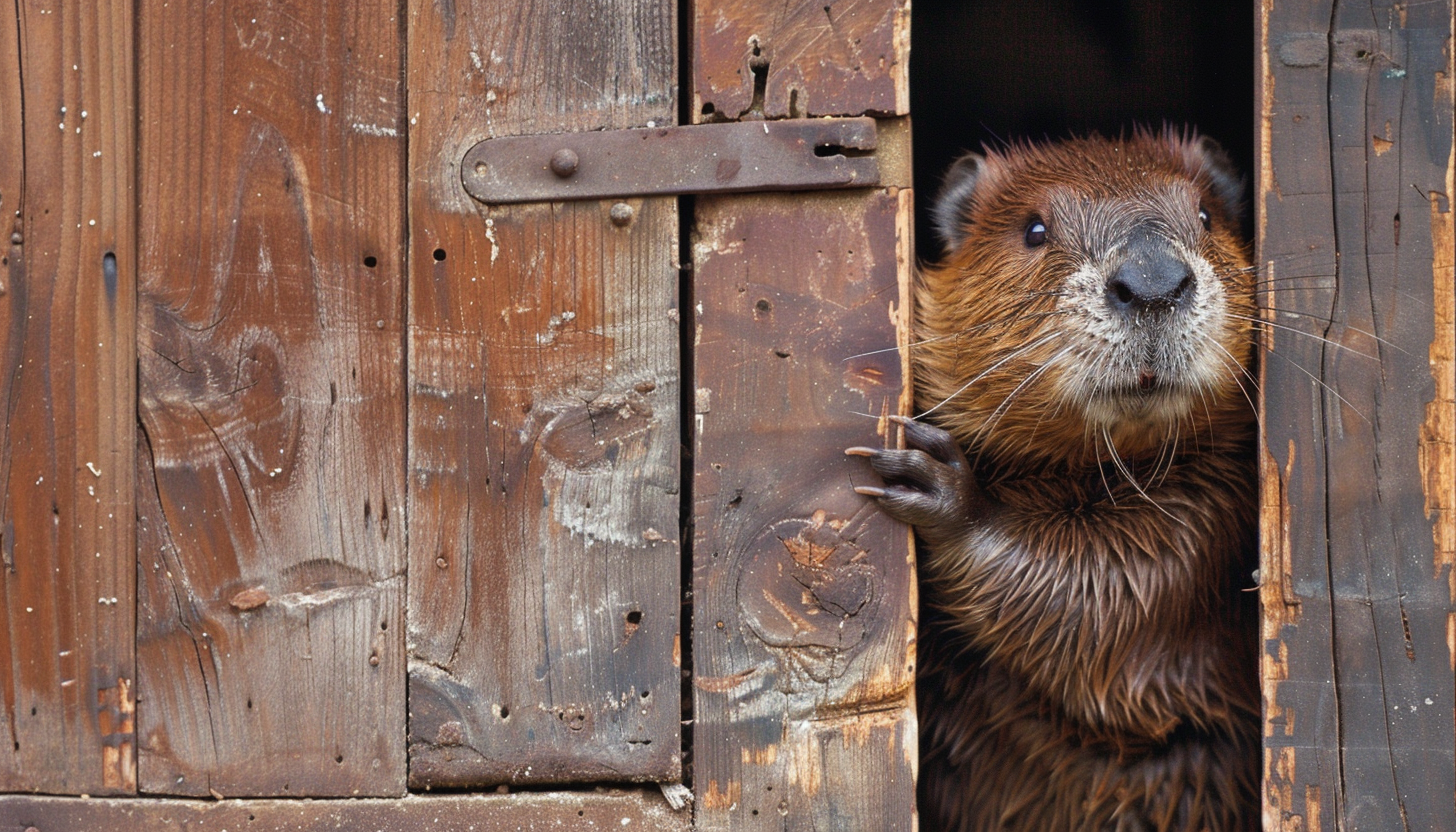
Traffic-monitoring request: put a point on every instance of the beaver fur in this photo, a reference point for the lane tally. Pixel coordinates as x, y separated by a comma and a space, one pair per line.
1085, 499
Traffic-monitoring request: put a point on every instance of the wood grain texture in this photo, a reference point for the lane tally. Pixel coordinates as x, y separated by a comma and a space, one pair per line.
804, 617
1355, 188
271, 554
544, 438
757, 59
536, 812
67, 388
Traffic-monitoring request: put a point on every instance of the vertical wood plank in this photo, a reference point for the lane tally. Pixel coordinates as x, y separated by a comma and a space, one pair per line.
1355, 244
544, 443
67, 388
271, 556
760, 59
804, 617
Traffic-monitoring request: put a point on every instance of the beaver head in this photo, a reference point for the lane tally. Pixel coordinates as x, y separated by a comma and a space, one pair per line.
1095, 302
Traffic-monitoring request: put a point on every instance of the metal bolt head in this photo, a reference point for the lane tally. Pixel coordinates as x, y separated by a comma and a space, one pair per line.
621, 214
16, 238
564, 162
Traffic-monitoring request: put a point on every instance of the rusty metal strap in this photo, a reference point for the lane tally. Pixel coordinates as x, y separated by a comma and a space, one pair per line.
797, 154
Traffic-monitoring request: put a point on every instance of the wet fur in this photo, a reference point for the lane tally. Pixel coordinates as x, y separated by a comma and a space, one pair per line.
1087, 655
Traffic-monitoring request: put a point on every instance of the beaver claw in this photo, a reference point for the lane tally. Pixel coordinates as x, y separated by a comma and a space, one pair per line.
929, 485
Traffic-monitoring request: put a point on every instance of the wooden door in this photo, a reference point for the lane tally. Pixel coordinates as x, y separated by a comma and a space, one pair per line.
427, 493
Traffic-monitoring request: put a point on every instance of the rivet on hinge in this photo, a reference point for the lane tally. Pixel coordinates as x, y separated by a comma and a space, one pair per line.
564, 162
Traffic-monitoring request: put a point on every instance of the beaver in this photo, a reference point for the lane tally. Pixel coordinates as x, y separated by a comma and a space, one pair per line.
1081, 480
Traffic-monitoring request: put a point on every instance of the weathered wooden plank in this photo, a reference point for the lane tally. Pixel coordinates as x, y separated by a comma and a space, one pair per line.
614, 810
544, 439
757, 59
804, 616
67, 389
271, 609
1355, 240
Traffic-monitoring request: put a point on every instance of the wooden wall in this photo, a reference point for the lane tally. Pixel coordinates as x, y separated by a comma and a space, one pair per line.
1355, 244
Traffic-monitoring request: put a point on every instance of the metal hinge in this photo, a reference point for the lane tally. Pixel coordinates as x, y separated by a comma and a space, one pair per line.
791, 155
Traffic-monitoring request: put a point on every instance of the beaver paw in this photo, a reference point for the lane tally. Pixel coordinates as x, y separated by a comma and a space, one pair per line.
929, 485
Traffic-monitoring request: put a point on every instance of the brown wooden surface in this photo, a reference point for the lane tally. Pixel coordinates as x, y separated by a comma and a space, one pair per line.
759, 59
1355, 244
67, 389
804, 616
544, 439
616, 810
271, 555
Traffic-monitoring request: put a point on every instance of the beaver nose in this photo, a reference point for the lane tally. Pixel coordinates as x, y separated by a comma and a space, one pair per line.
1152, 278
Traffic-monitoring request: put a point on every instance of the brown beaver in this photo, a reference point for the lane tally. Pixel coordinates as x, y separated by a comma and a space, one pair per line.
1086, 507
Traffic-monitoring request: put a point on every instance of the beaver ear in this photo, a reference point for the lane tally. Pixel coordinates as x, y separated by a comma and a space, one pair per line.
1226, 183
952, 208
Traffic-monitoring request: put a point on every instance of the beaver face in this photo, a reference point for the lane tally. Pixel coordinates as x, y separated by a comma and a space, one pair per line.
1096, 296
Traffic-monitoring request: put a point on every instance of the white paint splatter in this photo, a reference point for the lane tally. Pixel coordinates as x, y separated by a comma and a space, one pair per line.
318, 101
375, 130
490, 235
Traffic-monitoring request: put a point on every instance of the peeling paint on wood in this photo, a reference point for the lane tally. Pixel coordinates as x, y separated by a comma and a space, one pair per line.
67, 391
1438, 431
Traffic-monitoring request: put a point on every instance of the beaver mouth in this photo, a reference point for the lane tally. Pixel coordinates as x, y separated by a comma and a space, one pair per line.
1147, 380
1149, 389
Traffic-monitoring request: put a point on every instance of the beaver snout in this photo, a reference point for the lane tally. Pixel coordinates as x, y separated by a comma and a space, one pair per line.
1152, 278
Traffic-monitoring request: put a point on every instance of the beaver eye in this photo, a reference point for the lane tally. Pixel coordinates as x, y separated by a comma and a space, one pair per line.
1204, 218
1035, 232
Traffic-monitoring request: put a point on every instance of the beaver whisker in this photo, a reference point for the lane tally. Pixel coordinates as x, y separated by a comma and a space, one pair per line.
1127, 475
1316, 336
912, 344
1321, 382
1001, 410
924, 341
1372, 336
1242, 371
1266, 280
1167, 454
1008, 322
1208, 416
1269, 282
1102, 470
1017, 353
